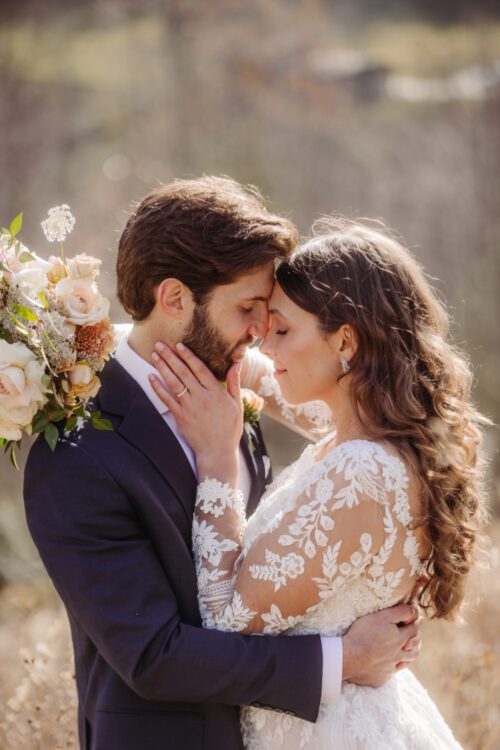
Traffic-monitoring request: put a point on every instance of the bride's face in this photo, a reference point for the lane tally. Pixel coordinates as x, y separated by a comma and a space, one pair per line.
305, 363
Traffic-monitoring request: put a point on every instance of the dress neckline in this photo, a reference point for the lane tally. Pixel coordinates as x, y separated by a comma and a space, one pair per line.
317, 447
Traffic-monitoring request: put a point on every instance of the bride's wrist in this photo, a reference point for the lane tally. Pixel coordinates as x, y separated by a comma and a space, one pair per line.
220, 465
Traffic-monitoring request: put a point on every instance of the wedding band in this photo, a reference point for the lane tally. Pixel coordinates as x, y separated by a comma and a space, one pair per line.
182, 392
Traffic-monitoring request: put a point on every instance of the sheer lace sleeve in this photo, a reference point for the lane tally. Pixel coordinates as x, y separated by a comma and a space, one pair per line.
311, 419
349, 518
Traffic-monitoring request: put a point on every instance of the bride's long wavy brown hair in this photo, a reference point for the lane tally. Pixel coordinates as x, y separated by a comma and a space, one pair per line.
410, 385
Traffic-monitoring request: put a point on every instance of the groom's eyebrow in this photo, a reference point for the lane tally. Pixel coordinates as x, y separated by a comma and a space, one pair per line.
256, 299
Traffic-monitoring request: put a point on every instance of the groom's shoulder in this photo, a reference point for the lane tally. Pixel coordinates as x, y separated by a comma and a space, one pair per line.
84, 445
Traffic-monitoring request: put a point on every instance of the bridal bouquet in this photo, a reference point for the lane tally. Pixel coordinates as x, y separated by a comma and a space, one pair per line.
55, 336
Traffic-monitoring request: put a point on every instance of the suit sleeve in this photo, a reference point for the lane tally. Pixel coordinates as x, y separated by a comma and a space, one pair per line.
105, 569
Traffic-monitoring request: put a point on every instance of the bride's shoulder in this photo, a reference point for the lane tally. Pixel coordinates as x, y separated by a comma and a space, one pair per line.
362, 456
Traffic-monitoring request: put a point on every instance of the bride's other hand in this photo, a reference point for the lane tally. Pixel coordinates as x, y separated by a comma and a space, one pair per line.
209, 415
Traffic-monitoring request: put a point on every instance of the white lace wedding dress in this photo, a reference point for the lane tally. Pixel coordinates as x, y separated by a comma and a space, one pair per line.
331, 540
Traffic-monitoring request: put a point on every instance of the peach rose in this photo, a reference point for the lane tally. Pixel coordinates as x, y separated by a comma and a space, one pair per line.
84, 382
83, 303
84, 267
253, 400
58, 270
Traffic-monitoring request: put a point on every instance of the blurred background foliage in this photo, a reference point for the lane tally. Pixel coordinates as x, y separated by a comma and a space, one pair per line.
366, 108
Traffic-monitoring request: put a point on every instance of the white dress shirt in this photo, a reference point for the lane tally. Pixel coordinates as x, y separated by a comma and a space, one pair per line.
140, 369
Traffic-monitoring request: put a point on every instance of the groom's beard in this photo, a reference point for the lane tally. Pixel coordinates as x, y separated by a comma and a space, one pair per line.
207, 342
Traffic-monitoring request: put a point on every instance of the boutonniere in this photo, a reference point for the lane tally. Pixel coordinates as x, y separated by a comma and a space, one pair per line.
252, 409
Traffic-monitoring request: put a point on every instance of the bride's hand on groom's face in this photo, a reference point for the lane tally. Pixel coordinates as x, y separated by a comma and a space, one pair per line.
209, 415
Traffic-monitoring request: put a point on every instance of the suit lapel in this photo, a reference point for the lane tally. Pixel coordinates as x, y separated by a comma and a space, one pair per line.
145, 428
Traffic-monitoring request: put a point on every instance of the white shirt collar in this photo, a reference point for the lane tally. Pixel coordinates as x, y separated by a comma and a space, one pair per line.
139, 369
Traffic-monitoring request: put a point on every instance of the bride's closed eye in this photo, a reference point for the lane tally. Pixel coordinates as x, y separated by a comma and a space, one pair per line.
281, 333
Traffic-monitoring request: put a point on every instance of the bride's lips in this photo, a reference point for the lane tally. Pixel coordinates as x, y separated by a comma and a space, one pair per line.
278, 372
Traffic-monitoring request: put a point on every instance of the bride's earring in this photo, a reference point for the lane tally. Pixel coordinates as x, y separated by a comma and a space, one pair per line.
345, 365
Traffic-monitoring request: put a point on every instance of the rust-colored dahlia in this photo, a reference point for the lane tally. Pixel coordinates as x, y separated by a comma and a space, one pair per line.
95, 342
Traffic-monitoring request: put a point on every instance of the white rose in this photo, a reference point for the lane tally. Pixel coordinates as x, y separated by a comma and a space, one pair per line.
22, 392
8, 255
83, 304
83, 266
32, 277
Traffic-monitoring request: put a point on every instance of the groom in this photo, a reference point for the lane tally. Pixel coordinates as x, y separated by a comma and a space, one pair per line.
110, 512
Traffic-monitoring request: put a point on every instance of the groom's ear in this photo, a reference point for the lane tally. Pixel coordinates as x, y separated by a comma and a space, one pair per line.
174, 298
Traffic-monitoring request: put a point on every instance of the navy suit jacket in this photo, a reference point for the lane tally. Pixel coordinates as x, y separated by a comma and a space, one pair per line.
110, 513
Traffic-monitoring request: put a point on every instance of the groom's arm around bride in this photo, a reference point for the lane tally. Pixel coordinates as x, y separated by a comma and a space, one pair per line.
116, 544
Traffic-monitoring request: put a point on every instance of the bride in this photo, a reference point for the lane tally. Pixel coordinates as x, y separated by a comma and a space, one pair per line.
390, 495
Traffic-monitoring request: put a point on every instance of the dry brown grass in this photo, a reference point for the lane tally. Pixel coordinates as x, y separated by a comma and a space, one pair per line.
459, 665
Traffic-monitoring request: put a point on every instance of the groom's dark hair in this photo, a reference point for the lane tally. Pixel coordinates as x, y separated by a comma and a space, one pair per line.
206, 232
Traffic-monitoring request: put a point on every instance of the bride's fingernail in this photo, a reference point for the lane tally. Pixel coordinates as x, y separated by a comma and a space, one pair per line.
160, 345
155, 356
180, 346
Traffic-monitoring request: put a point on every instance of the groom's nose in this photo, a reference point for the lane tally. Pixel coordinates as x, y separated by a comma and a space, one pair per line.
260, 324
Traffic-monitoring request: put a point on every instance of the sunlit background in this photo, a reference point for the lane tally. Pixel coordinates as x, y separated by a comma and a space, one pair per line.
367, 108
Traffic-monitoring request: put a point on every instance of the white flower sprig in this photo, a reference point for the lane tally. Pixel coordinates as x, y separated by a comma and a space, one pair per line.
58, 224
55, 336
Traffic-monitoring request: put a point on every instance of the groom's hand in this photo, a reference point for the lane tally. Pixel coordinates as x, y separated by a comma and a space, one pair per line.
377, 645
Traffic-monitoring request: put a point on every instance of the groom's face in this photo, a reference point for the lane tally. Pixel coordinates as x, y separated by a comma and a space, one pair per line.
232, 318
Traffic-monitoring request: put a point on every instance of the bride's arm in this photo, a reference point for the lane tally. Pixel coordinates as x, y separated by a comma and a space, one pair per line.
344, 525
311, 419
301, 557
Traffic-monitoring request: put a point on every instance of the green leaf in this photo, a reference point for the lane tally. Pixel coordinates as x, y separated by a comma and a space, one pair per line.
2, 441
13, 457
26, 313
101, 424
5, 268
40, 422
71, 423
26, 256
57, 415
22, 328
51, 436
16, 224
46, 380
43, 299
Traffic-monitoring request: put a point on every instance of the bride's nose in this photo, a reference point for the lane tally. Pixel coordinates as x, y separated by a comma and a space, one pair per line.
265, 346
